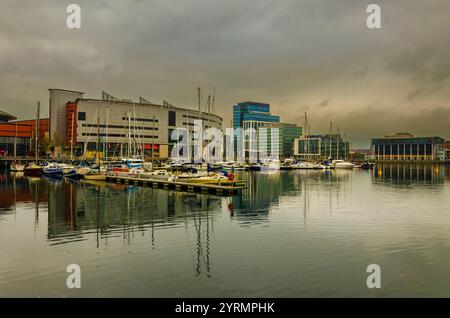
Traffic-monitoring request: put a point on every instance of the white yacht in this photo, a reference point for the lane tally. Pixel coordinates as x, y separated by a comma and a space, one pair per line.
307, 165
274, 164
341, 164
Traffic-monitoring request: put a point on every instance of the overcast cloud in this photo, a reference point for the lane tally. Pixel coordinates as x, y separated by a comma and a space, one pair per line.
314, 56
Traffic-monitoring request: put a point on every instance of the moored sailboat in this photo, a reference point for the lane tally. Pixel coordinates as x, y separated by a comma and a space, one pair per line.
53, 170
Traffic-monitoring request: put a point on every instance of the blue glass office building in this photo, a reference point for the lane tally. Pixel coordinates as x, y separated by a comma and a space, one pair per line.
252, 111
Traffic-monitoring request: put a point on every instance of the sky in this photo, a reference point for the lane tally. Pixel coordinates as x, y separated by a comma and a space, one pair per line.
299, 56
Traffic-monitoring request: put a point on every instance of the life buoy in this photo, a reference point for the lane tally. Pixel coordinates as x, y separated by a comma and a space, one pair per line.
231, 177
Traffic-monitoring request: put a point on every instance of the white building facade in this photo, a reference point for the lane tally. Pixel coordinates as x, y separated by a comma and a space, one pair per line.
120, 128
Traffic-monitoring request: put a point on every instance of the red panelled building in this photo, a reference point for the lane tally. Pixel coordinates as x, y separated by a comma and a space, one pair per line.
19, 133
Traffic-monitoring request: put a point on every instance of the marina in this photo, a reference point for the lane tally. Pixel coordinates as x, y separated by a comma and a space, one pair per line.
302, 233
222, 188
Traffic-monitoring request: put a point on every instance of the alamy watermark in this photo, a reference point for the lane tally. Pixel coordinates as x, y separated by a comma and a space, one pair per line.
74, 19
74, 279
374, 279
212, 145
374, 19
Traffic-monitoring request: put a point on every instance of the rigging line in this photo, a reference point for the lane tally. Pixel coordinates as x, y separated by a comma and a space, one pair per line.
89, 135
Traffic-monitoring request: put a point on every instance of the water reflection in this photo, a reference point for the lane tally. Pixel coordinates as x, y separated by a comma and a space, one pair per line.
406, 174
75, 208
208, 236
17, 190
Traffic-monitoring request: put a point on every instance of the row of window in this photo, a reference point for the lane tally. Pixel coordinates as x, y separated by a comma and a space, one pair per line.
116, 135
192, 124
202, 118
142, 119
119, 126
10, 140
171, 122
82, 116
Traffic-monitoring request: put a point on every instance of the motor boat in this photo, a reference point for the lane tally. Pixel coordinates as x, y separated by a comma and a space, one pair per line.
305, 165
157, 175
66, 168
233, 166
255, 167
212, 167
132, 163
214, 178
73, 174
135, 172
33, 169
95, 175
147, 166
341, 164
367, 166
271, 165
189, 174
53, 170
17, 167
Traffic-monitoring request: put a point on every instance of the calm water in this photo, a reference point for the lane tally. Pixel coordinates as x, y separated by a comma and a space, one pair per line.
291, 234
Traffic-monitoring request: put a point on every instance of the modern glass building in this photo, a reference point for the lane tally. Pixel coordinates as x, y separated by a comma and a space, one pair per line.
279, 138
321, 147
252, 111
289, 132
273, 138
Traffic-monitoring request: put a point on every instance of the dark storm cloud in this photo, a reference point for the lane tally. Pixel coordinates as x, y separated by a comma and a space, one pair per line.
289, 53
427, 62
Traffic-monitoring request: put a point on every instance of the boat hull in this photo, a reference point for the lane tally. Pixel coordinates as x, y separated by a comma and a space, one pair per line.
54, 173
17, 168
33, 172
95, 177
73, 175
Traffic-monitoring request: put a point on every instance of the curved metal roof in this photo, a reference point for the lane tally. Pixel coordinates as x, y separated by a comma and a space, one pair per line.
4, 116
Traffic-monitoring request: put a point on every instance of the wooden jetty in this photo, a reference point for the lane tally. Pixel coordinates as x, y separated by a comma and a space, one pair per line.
223, 188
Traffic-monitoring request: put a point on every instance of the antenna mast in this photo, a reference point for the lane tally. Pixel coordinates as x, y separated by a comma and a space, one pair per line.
199, 99
214, 100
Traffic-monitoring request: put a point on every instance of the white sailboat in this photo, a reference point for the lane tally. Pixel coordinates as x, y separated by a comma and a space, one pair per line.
15, 165
96, 174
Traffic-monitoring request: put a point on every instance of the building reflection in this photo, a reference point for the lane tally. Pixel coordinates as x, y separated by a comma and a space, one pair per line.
76, 210
104, 213
16, 190
265, 191
390, 174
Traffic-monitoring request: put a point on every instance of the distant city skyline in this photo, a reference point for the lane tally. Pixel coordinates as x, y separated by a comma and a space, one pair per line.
298, 56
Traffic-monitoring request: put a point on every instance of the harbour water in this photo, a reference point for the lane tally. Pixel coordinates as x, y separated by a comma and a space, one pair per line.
290, 234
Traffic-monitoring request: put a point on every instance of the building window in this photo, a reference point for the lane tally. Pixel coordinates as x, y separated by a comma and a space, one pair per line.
81, 115
170, 141
172, 118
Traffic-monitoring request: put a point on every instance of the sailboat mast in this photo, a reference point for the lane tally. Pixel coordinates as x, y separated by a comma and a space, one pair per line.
71, 142
129, 133
209, 104
306, 136
331, 136
98, 133
337, 144
15, 144
214, 101
106, 133
153, 139
199, 99
37, 132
